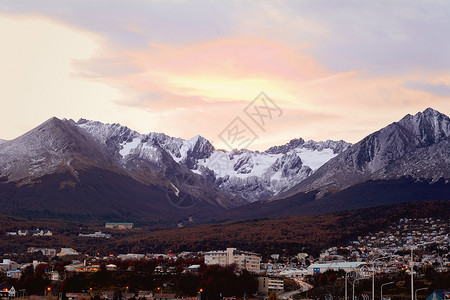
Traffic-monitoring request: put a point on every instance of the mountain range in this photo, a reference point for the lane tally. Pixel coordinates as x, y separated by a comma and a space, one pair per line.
90, 171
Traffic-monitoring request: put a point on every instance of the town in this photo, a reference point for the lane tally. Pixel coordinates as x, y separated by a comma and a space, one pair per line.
383, 256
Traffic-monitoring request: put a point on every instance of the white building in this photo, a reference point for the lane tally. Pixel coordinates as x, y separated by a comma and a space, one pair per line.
97, 234
268, 284
131, 256
8, 265
243, 259
335, 266
67, 251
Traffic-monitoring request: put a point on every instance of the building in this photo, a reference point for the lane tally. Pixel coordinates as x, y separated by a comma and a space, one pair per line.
16, 274
131, 256
318, 268
244, 260
8, 265
335, 266
7, 291
439, 295
268, 284
67, 251
164, 296
97, 234
37, 232
119, 225
45, 251
40, 232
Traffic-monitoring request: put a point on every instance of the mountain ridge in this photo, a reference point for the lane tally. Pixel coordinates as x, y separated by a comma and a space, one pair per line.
377, 151
170, 179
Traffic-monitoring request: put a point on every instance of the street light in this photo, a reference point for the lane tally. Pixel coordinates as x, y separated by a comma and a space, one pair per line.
345, 286
412, 267
381, 296
23, 293
353, 284
412, 274
415, 293
373, 273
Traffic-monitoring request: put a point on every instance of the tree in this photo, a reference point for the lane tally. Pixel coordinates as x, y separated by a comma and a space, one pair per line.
273, 296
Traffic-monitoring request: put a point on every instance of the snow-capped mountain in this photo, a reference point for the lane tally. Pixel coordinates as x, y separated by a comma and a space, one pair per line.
90, 170
258, 175
70, 165
52, 147
415, 146
252, 175
60, 168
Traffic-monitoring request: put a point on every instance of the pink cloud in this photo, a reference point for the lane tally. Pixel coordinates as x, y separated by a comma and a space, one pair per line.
200, 88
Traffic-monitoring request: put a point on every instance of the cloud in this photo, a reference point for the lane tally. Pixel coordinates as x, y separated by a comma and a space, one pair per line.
36, 77
338, 69
205, 85
441, 90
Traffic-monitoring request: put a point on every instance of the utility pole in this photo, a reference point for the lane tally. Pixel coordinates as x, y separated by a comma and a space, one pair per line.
346, 286
412, 274
373, 281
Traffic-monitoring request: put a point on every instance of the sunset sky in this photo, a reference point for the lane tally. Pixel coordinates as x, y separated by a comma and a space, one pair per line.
334, 69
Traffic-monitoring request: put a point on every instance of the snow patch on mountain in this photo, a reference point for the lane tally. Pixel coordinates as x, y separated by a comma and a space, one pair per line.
251, 174
127, 147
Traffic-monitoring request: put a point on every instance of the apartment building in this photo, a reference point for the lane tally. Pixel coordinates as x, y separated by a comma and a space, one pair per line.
243, 259
268, 284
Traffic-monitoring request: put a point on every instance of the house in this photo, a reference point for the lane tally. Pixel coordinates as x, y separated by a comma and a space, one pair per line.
159, 270
194, 269
40, 232
164, 296
8, 265
75, 266
7, 291
16, 274
54, 276
78, 296
119, 225
22, 232
97, 234
110, 295
145, 294
131, 256
439, 295
45, 251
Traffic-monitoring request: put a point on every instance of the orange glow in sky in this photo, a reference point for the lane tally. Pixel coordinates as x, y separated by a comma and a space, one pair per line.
169, 66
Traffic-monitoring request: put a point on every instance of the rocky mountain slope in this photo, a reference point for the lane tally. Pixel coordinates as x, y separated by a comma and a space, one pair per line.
60, 170
63, 167
88, 169
252, 175
416, 146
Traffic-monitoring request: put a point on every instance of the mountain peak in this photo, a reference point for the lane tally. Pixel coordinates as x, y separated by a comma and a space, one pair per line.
431, 111
427, 127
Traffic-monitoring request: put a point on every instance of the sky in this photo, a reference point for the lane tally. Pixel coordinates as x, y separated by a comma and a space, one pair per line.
240, 73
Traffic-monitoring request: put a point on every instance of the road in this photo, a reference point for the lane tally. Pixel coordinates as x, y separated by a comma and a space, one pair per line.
303, 287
